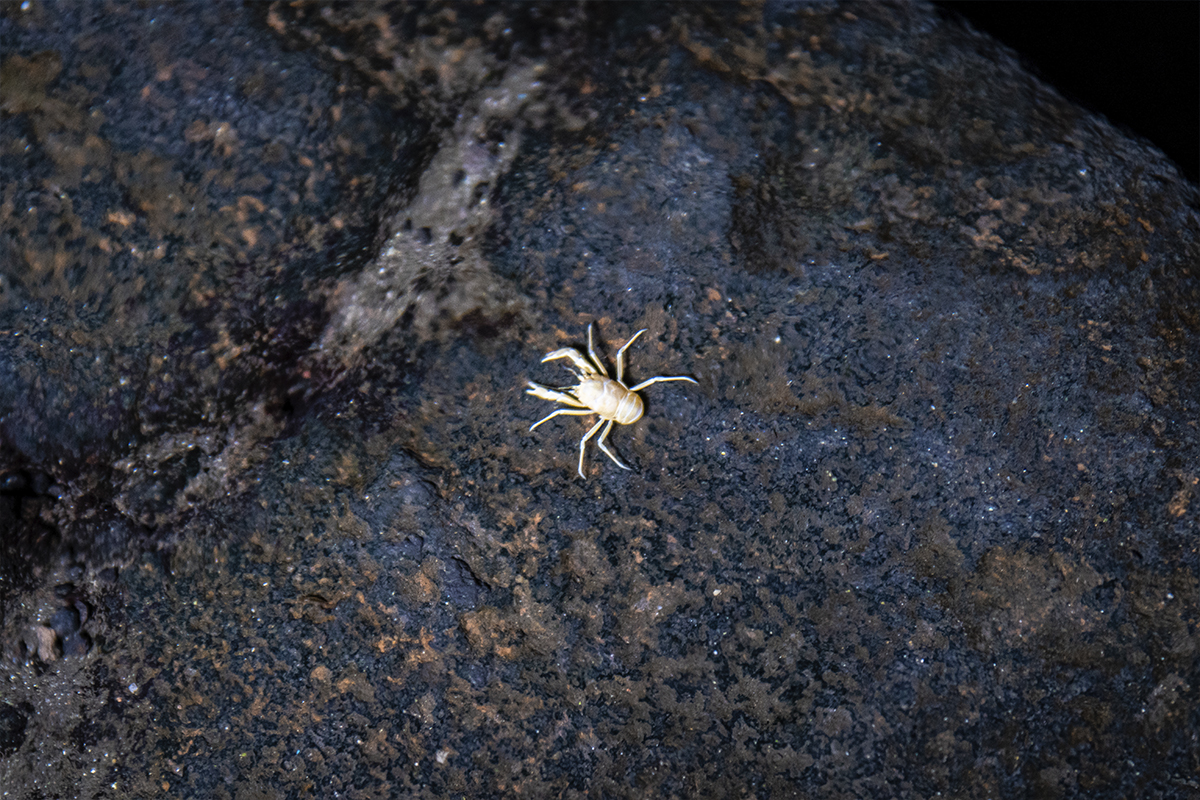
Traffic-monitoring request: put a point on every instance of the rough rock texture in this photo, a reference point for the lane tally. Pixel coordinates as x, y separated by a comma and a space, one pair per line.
272, 522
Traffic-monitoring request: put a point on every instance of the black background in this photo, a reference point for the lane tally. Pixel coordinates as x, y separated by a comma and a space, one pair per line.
1138, 64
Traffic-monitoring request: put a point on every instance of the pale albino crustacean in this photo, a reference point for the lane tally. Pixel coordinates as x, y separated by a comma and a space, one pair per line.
596, 393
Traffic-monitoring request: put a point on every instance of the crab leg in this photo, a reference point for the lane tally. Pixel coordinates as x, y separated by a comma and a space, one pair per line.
644, 384
621, 354
583, 442
592, 353
578, 360
604, 447
569, 412
554, 395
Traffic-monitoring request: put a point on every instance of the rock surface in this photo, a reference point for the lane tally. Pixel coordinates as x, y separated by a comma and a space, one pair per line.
274, 525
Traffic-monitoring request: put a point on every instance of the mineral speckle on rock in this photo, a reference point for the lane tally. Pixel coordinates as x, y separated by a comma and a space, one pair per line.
275, 276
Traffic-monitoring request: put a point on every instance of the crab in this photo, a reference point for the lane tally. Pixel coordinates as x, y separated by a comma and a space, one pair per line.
596, 393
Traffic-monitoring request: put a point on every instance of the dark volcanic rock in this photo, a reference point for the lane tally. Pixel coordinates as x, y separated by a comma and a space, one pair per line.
12, 728
273, 289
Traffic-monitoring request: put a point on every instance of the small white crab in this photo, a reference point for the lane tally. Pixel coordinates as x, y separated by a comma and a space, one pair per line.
596, 393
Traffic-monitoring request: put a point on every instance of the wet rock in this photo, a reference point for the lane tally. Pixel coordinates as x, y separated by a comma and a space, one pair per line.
416, 493
13, 721
15, 482
76, 645
65, 622
934, 486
